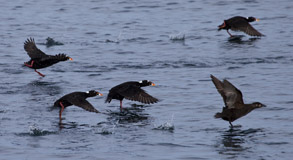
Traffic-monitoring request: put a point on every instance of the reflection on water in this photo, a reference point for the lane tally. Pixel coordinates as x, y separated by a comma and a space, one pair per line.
238, 41
38, 87
233, 141
126, 40
68, 125
133, 114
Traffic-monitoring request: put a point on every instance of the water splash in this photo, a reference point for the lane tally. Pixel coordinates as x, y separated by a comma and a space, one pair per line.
123, 35
177, 37
36, 131
167, 126
107, 128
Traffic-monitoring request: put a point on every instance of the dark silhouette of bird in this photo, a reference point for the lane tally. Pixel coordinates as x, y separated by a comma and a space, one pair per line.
234, 105
77, 99
132, 91
39, 59
239, 23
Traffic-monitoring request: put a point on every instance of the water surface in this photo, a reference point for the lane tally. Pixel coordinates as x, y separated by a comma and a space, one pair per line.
176, 45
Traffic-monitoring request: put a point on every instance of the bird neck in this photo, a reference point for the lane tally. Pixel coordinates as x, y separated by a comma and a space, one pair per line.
89, 95
249, 20
143, 85
249, 107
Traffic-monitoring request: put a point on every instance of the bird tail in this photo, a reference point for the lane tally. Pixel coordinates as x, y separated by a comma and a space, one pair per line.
218, 115
56, 104
108, 100
222, 26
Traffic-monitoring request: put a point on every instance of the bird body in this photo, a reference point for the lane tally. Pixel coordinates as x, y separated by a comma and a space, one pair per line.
132, 91
233, 114
39, 59
46, 61
239, 23
77, 99
234, 106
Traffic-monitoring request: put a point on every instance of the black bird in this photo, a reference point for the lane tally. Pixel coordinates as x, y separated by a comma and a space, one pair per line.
239, 23
132, 91
234, 105
77, 99
39, 59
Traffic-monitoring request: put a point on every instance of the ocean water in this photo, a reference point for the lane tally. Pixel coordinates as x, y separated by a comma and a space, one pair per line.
176, 45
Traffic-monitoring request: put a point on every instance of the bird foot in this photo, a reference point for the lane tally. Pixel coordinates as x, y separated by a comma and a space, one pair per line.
229, 33
40, 73
29, 65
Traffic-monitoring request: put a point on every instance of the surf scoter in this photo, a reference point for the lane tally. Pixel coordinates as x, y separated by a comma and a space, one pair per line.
39, 59
239, 23
132, 91
77, 99
234, 105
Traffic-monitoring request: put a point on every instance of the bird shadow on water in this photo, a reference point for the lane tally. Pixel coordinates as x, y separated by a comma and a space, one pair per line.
235, 141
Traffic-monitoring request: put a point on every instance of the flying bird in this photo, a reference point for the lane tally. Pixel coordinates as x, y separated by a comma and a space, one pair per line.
77, 99
39, 59
132, 91
234, 106
239, 23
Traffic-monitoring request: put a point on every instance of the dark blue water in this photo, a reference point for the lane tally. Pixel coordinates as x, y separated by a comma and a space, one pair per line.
176, 45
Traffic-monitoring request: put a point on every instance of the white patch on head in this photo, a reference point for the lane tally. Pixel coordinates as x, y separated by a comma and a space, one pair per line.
87, 92
139, 81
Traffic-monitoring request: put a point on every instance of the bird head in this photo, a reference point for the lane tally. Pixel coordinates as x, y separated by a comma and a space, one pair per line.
258, 105
93, 93
146, 83
252, 19
69, 58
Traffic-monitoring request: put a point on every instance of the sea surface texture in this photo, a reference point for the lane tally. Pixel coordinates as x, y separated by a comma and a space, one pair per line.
173, 43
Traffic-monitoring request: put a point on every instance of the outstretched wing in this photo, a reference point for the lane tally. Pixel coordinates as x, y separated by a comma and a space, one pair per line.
135, 93
231, 95
32, 50
244, 26
220, 87
83, 104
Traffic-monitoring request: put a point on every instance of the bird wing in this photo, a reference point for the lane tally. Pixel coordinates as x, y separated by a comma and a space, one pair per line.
233, 95
83, 104
32, 50
244, 26
220, 87
230, 93
135, 93
54, 58
251, 31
